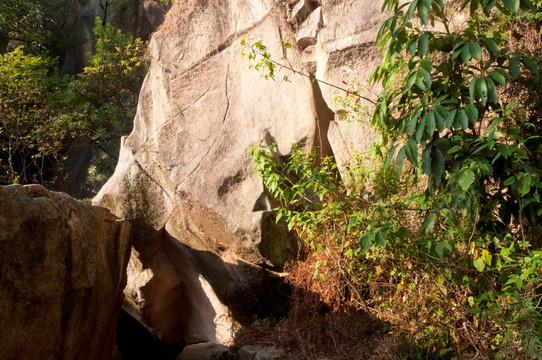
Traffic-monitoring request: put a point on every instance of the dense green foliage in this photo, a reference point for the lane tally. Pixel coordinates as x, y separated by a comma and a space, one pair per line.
43, 115
444, 245
32, 137
38, 25
103, 99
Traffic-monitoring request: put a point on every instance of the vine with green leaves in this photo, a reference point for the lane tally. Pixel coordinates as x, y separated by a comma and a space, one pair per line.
440, 234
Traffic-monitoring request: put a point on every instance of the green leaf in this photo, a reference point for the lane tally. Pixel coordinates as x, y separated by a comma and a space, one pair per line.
514, 68
479, 264
430, 124
440, 252
466, 178
486, 257
440, 122
454, 149
491, 45
488, 6
429, 223
411, 79
411, 9
512, 5
437, 164
383, 107
481, 91
427, 64
366, 241
413, 122
400, 159
528, 5
420, 80
499, 79
412, 151
509, 181
525, 185
475, 50
426, 78
423, 12
450, 118
474, 6
492, 91
465, 54
472, 113
390, 156
504, 150
472, 88
463, 119
381, 238
531, 64
441, 111
423, 44
426, 161
421, 128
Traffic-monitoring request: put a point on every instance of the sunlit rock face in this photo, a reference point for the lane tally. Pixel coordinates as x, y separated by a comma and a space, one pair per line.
208, 253
63, 268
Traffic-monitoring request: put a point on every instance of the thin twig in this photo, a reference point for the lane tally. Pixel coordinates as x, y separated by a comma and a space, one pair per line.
312, 78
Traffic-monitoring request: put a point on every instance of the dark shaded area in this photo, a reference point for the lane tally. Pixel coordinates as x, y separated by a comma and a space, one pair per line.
179, 309
263, 295
312, 329
136, 342
325, 115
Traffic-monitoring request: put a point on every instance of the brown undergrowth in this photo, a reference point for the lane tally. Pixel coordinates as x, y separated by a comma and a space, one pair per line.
320, 324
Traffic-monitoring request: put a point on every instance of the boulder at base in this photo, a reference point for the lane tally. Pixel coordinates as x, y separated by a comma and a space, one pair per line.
63, 268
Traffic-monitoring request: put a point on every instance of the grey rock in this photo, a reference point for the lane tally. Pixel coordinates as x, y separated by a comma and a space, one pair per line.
205, 351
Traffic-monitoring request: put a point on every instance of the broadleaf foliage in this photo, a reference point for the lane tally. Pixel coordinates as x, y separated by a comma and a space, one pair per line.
450, 237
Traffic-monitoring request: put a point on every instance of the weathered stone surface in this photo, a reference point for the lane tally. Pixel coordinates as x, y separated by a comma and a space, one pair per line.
346, 51
346, 45
301, 11
63, 270
205, 351
348, 139
308, 58
185, 171
308, 30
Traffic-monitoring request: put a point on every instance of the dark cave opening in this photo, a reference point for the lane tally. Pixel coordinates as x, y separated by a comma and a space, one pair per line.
136, 342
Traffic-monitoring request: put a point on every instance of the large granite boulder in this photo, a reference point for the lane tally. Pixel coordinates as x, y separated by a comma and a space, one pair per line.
63, 267
208, 253
207, 234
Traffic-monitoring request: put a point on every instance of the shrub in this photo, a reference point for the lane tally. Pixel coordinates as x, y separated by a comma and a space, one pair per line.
440, 233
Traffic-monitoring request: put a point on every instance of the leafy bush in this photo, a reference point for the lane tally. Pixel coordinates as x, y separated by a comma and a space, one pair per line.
103, 99
43, 115
32, 136
446, 245
39, 26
